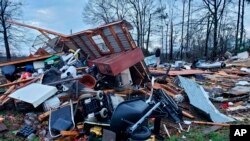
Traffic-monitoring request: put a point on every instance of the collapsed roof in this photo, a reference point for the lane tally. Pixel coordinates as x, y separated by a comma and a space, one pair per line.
95, 43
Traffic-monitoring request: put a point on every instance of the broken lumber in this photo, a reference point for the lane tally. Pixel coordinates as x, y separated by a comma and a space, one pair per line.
69, 133
181, 72
43, 116
211, 123
17, 82
2, 97
169, 89
186, 114
5, 98
158, 86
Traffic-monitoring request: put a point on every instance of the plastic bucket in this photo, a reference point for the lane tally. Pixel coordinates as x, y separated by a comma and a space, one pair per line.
88, 81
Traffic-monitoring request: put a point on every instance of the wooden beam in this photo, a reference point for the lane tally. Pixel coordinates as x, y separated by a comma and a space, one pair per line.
37, 28
25, 60
211, 123
17, 82
45, 34
43, 116
128, 36
86, 46
111, 49
186, 114
116, 38
138, 72
77, 46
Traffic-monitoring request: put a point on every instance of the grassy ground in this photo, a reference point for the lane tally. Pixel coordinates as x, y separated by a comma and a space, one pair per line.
13, 120
197, 135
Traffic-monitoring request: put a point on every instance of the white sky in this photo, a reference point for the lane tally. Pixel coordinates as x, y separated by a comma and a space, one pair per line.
65, 15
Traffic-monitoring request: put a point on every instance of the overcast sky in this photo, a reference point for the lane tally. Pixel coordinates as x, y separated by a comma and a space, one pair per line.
65, 15
57, 15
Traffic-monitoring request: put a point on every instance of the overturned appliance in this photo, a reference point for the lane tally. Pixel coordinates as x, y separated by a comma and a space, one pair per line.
129, 118
201, 64
96, 106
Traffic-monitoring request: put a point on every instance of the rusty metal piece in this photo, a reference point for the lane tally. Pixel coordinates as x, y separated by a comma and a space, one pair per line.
115, 64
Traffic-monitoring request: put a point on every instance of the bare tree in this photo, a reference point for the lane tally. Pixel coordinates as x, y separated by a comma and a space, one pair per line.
242, 22
9, 10
203, 28
149, 31
104, 11
188, 23
182, 26
139, 12
216, 9
207, 35
237, 27
171, 40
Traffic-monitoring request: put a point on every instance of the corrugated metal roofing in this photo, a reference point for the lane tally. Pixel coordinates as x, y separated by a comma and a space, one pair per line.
199, 99
90, 46
116, 38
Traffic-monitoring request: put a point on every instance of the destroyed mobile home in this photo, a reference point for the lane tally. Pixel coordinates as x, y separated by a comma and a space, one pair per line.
101, 87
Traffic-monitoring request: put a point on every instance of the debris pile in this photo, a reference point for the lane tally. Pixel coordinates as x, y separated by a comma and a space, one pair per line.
99, 87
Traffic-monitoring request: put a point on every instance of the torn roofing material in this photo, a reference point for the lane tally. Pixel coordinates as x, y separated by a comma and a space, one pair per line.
98, 42
199, 99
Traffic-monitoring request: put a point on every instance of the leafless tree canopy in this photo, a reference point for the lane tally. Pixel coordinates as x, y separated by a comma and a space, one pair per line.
184, 29
141, 13
9, 10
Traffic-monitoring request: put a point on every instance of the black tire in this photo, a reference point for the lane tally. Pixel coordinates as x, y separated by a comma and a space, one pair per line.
223, 65
104, 113
142, 133
99, 95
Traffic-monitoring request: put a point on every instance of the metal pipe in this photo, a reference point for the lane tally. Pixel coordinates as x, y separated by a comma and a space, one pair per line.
135, 126
62, 81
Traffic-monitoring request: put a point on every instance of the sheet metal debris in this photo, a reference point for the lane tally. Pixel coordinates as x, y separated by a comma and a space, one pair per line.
29, 93
199, 99
239, 90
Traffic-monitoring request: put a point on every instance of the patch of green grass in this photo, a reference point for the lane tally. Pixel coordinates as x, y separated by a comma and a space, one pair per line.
10, 135
197, 135
221, 135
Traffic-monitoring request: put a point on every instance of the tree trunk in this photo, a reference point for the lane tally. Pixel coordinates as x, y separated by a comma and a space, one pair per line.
6, 42
237, 28
188, 21
207, 37
242, 22
214, 54
167, 42
215, 16
171, 41
138, 30
149, 30
182, 27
